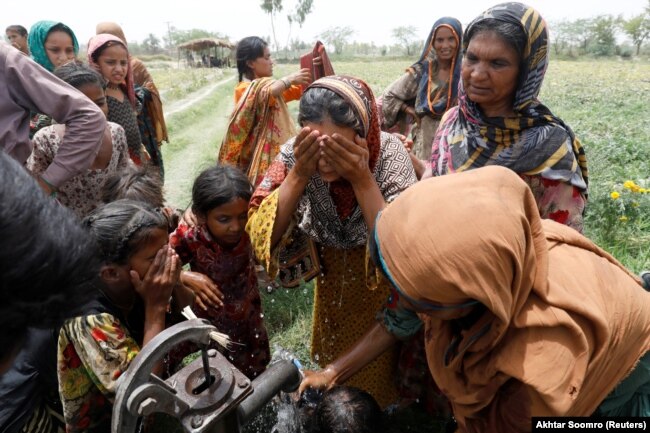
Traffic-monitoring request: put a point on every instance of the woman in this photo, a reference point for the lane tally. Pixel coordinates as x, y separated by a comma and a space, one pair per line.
500, 121
329, 183
17, 37
531, 141
51, 45
428, 88
151, 120
523, 317
260, 122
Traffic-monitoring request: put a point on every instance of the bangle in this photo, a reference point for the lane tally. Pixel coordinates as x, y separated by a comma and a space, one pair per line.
287, 83
52, 187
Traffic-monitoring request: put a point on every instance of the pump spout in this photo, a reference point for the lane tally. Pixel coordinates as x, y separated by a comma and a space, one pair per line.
280, 376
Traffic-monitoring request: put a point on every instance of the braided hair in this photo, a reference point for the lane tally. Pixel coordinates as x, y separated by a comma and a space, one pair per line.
78, 74
120, 228
249, 48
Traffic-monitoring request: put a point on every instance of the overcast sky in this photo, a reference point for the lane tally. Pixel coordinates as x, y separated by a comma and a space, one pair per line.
372, 20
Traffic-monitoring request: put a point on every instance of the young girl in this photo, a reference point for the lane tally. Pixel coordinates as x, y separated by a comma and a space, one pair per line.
96, 348
220, 248
51, 45
110, 57
82, 193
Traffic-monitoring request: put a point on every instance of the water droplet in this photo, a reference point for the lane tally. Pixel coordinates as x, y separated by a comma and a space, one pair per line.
272, 300
257, 335
261, 315
316, 357
326, 320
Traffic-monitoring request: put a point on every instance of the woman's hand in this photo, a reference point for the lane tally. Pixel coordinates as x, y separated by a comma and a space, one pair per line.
161, 278
307, 152
303, 76
407, 142
206, 292
349, 159
410, 111
322, 379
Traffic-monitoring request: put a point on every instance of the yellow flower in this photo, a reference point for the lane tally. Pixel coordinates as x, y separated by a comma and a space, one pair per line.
629, 184
614, 195
636, 188
623, 218
635, 204
643, 190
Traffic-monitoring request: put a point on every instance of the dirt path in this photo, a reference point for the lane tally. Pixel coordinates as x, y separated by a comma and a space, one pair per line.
194, 98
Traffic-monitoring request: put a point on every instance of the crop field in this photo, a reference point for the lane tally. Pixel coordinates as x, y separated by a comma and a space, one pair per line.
604, 102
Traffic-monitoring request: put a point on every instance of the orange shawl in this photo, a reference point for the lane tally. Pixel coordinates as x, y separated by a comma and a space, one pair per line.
256, 130
563, 322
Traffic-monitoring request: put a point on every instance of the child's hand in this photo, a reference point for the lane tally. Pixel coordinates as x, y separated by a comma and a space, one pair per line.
206, 292
161, 278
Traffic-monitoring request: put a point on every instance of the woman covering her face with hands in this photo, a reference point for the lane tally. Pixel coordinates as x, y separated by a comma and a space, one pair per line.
328, 184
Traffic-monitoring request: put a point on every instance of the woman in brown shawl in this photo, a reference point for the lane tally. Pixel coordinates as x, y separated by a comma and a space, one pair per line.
523, 317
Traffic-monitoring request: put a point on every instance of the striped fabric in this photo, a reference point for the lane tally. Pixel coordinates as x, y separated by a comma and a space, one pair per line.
534, 142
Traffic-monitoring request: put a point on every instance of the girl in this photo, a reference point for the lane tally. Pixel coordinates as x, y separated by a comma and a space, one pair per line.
220, 248
51, 45
82, 193
260, 122
110, 57
96, 348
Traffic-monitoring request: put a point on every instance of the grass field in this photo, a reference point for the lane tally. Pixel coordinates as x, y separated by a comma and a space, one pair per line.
605, 103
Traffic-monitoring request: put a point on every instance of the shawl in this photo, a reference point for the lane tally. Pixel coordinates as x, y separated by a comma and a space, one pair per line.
434, 99
142, 78
37, 37
560, 321
362, 101
256, 129
534, 142
317, 71
98, 41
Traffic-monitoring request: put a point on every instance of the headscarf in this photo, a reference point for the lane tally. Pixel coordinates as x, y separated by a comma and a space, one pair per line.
360, 97
431, 98
36, 40
561, 322
534, 141
98, 41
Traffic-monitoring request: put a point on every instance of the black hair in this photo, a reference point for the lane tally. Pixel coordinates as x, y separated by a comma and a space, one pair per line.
120, 228
219, 185
60, 27
249, 48
141, 184
98, 52
48, 263
22, 31
318, 104
511, 34
345, 409
78, 75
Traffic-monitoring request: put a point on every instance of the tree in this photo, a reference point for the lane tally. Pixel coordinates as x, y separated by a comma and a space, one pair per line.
337, 36
580, 30
405, 36
272, 7
151, 44
603, 30
638, 29
560, 35
303, 8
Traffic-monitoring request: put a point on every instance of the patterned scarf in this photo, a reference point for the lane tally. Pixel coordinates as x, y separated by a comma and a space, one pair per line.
534, 141
359, 96
97, 42
258, 126
432, 98
37, 37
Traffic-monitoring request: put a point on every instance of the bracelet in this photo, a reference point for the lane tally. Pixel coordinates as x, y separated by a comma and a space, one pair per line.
287, 83
52, 187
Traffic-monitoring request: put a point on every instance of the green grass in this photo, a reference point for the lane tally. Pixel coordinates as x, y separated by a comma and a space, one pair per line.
175, 84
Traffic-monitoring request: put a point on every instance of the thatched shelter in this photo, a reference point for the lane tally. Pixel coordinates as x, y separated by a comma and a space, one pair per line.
206, 52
